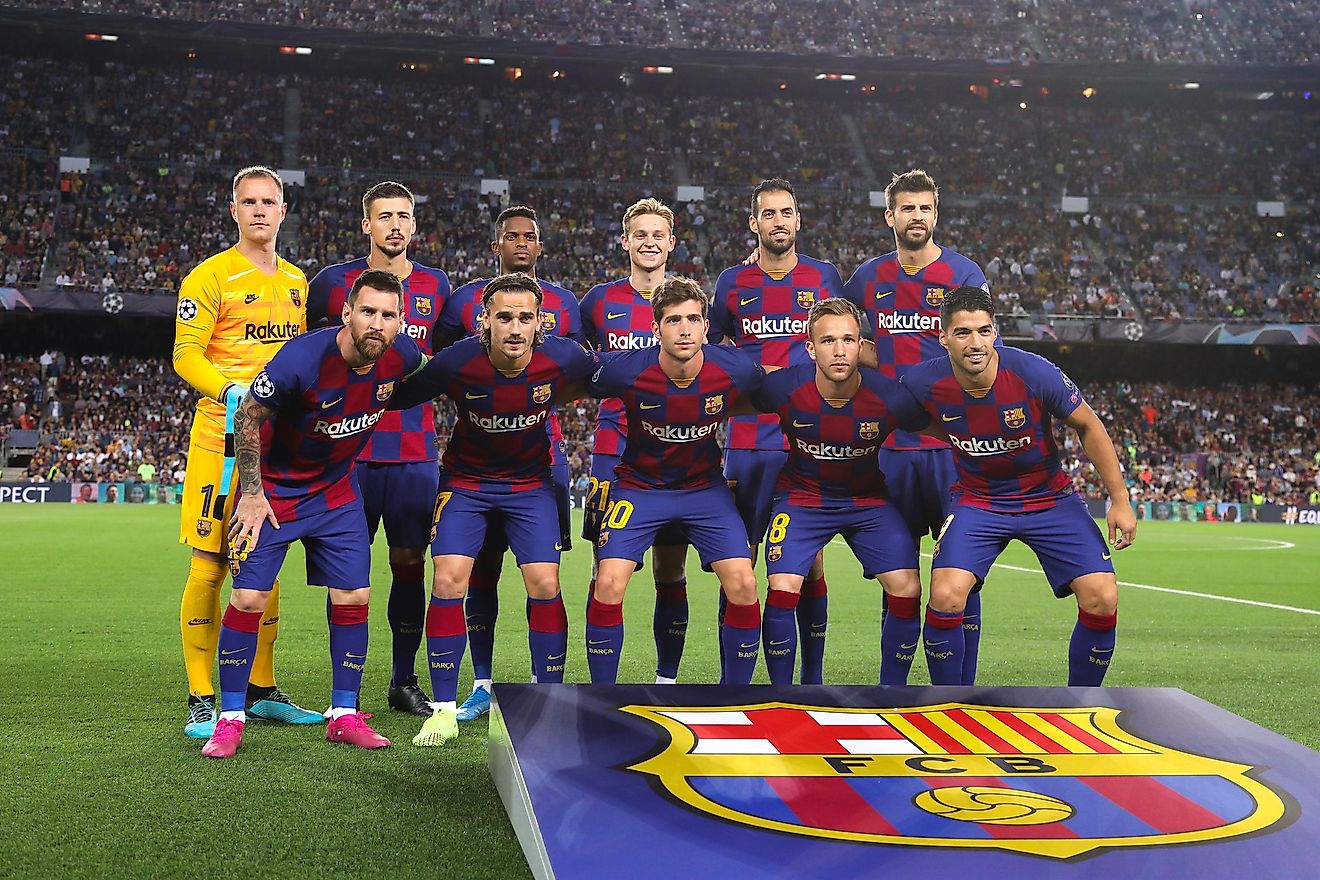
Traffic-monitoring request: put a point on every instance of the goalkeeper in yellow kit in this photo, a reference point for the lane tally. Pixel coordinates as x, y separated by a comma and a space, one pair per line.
235, 310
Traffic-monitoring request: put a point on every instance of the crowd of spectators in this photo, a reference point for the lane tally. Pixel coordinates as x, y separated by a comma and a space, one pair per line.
103, 417
1263, 32
1231, 443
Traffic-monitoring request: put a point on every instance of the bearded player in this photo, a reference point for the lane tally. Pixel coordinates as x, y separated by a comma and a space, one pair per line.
397, 468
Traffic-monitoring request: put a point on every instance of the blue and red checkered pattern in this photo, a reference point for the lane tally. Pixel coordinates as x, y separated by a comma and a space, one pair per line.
767, 317
401, 435
903, 307
499, 444
325, 412
672, 429
833, 446
560, 316
616, 317
1003, 443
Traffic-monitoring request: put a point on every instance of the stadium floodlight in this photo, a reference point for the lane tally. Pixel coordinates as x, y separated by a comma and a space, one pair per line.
837, 77
1088, 92
1191, 85
295, 50
472, 59
654, 68
103, 38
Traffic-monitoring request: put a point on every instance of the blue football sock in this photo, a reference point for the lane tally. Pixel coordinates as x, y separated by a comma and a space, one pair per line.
944, 645
780, 635
348, 653
483, 607
1091, 648
547, 638
669, 625
406, 611
236, 650
446, 641
604, 641
741, 637
971, 637
813, 615
900, 632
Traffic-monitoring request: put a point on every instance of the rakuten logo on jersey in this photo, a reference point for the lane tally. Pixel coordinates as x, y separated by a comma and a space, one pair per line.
910, 323
416, 331
340, 428
269, 332
772, 328
507, 424
679, 433
830, 452
998, 446
628, 341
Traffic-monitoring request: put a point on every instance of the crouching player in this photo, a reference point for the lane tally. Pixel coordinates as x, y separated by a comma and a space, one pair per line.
324, 393
675, 396
996, 405
835, 416
496, 471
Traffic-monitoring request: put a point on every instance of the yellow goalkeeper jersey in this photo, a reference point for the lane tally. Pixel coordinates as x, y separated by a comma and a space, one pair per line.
230, 321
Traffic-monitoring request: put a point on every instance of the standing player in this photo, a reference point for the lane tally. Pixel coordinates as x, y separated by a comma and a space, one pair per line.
617, 316
324, 393
762, 308
900, 292
505, 383
836, 416
235, 310
675, 397
399, 461
996, 405
517, 245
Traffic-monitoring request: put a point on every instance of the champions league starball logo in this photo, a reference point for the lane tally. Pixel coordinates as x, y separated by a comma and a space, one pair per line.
1057, 783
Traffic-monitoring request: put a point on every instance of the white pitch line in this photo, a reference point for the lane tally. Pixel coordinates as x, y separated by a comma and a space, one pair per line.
1154, 588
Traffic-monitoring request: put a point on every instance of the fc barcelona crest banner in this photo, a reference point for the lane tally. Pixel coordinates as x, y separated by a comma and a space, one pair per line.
1022, 783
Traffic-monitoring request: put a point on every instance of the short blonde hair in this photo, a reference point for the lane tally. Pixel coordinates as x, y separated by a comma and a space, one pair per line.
643, 207
835, 305
255, 171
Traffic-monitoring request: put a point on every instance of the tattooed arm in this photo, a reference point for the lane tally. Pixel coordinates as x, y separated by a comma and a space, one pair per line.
252, 509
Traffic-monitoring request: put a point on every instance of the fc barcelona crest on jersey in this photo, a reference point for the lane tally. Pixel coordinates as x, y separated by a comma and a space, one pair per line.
868, 430
296, 295
1015, 417
1056, 783
714, 404
549, 321
806, 298
422, 306
774, 552
203, 527
934, 297
384, 391
541, 393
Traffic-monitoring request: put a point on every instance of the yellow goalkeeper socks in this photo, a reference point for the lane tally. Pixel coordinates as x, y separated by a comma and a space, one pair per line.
199, 622
263, 666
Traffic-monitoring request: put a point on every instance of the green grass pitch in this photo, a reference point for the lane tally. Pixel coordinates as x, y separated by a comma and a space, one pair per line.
98, 777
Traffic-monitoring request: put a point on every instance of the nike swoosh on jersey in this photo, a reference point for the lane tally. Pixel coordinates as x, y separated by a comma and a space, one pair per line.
1106, 555
471, 396
883, 295
743, 302
329, 403
612, 315
651, 405
950, 418
798, 424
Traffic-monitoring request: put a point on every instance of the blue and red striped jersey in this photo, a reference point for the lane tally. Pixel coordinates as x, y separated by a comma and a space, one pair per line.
834, 445
767, 317
325, 412
500, 444
1003, 442
903, 305
616, 317
401, 435
672, 439
560, 316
